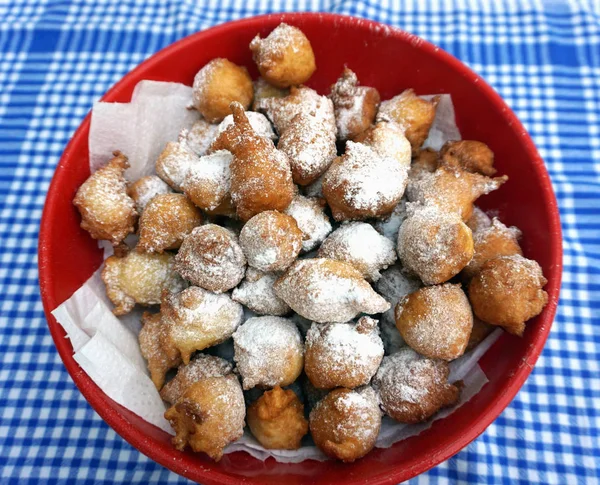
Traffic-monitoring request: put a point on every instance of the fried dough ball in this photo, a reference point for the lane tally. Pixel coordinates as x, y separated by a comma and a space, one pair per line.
324, 290
281, 111
388, 140
413, 114
434, 245
436, 321
139, 278
167, 219
393, 285
479, 220
209, 416
256, 292
264, 90
200, 136
345, 423
309, 213
507, 292
285, 57
212, 258
355, 106
470, 155
271, 241
175, 161
310, 145
145, 189
412, 388
258, 121
425, 161
152, 345
480, 331
362, 246
107, 212
269, 352
277, 420
208, 182
451, 189
261, 177
217, 85
342, 354
200, 367
198, 319
362, 184
496, 240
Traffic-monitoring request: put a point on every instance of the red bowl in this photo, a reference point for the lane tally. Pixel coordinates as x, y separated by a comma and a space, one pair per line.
390, 60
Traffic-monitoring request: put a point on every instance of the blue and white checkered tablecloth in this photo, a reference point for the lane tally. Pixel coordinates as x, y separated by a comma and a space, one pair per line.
58, 57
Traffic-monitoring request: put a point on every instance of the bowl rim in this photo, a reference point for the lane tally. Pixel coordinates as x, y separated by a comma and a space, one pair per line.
160, 453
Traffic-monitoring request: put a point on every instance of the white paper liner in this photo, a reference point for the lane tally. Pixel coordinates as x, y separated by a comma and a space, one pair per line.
106, 347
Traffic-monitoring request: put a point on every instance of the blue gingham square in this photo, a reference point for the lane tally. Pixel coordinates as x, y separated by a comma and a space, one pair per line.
57, 58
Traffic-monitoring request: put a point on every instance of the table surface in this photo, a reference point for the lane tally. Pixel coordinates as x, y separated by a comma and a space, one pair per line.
58, 57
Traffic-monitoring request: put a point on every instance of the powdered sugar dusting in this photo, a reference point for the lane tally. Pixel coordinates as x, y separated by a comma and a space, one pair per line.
311, 219
370, 180
213, 174
259, 123
362, 246
264, 348
389, 227
257, 293
174, 162
144, 189
200, 136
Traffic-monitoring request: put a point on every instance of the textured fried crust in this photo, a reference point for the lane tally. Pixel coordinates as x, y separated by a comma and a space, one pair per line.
488, 243
107, 212
217, 85
165, 222
470, 155
507, 292
139, 278
271, 241
160, 359
261, 177
414, 114
452, 189
412, 388
436, 321
209, 416
285, 57
434, 245
277, 420
345, 423
355, 106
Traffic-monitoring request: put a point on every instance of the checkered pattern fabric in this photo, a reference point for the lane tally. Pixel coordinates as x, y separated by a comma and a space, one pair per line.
58, 57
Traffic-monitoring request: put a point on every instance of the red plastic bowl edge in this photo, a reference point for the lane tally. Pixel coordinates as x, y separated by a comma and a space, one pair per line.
515, 382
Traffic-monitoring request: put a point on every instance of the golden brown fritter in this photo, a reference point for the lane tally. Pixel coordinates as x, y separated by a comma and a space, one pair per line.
160, 356
412, 113
470, 155
342, 354
107, 212
143, 190
436, 321
345, 423
434, 245
277, 420
412, 388
139, 278
355, 106
271, 241
209, 416
261, 177
285, 57
452, 190
496, 240
197, 319
217, 85
165, 222
324, 290
507, 292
